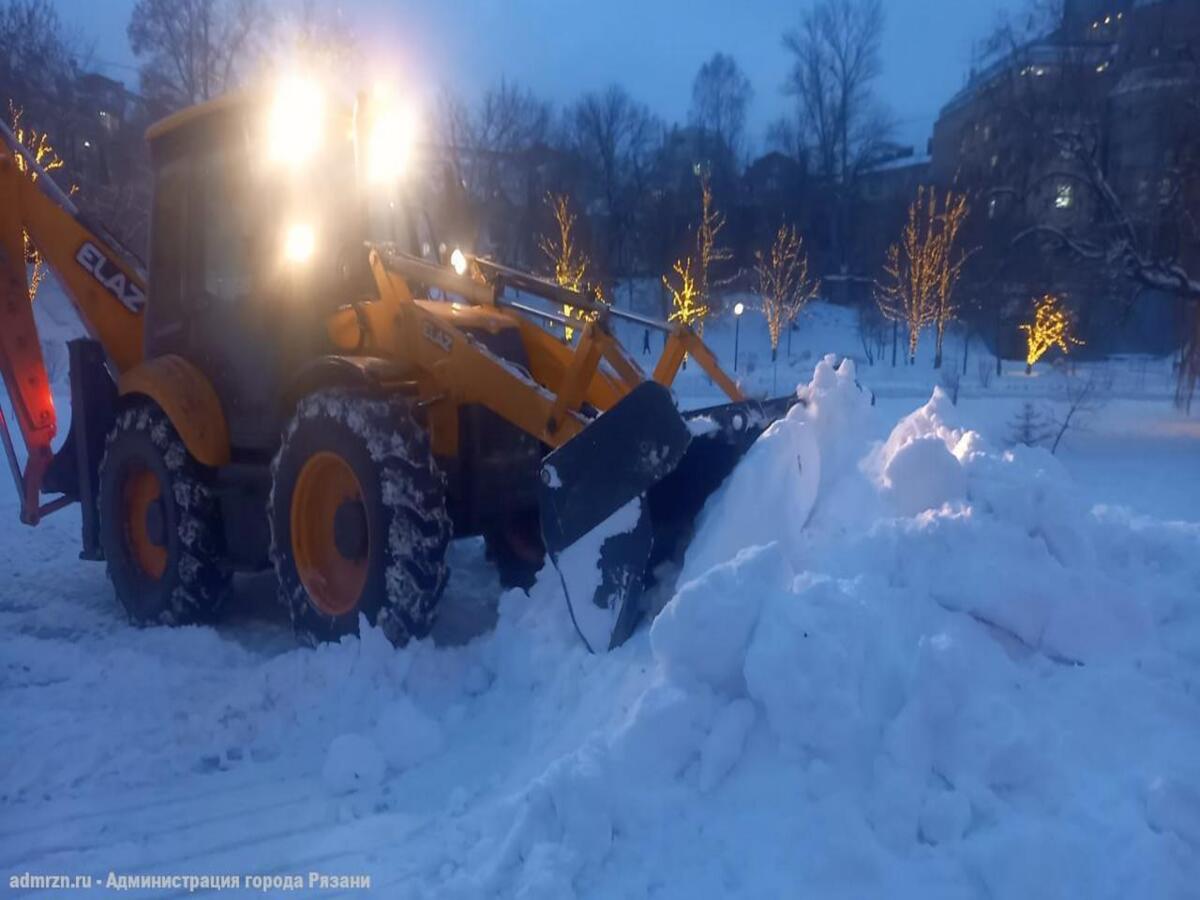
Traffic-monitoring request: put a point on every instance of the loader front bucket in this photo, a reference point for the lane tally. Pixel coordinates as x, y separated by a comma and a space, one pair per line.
623, 495
595, 522
721, 435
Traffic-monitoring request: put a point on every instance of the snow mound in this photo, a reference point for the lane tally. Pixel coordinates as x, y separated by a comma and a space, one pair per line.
954, 680
703, 633
406, 735
774, 490
353, 763
909, 670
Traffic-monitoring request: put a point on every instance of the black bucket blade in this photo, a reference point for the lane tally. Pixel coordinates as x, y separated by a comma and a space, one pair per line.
604, 575
616, 459
721, 437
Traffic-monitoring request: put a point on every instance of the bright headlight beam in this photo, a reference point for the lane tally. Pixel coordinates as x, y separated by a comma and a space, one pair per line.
296, 123
458, 260
299, 242
389, 139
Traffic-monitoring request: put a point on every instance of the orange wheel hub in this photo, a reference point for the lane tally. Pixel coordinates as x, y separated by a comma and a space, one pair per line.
334, 581
140, 491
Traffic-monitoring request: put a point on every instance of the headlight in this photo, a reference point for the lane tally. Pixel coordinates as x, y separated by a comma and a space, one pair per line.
458, 260
296, 124
389, 139
299, 242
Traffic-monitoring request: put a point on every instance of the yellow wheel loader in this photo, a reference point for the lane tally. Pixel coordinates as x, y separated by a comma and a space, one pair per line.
307, 381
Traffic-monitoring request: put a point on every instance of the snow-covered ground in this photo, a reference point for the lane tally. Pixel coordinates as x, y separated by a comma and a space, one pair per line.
973, 672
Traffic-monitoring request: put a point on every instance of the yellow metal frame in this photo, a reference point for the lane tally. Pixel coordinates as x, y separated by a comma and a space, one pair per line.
453, 369
189, 400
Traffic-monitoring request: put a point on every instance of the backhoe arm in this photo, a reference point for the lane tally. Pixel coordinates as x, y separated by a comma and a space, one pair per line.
107, 290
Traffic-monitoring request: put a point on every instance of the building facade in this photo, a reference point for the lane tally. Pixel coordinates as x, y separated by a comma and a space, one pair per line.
1114, 82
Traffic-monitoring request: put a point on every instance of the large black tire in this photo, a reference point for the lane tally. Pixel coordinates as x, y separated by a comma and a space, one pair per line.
398, 532
165, 555
516, 551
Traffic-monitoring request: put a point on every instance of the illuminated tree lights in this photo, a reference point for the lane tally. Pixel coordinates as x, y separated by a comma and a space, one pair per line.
562, 249
922, 269
783, 283
690, 279
708, 251
689, 308
1051, 327
39, 147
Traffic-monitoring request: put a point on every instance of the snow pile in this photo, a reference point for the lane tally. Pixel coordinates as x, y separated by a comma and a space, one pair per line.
353, 763
956, 681
909, 692
772, 492
773, 489
1001, 535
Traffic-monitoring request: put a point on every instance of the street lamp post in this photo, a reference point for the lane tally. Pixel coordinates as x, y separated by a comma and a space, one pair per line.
738, 309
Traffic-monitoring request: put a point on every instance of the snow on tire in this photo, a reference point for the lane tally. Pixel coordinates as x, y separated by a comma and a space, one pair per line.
161, 528
358, 518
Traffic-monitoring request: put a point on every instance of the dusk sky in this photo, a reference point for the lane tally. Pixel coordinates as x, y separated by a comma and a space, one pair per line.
560, 48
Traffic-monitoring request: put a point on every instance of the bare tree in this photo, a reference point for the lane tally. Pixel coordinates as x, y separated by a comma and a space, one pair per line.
1082, 397
38, 60
721, 93
835, 62
785, 136
872, 332
483, 141
614, 137
836, 54
316, 33
192, 50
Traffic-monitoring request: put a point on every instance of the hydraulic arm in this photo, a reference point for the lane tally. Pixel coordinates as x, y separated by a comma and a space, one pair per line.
107, 289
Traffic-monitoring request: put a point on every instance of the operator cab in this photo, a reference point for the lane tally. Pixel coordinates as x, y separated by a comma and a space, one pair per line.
263, 205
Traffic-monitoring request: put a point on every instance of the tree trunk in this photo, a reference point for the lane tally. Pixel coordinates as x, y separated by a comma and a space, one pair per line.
966, 349
895, 340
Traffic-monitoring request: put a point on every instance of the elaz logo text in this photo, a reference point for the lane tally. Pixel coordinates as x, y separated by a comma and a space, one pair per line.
111, 278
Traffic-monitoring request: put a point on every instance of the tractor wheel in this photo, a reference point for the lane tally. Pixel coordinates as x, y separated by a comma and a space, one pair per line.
160, 523
516, 550
358, 518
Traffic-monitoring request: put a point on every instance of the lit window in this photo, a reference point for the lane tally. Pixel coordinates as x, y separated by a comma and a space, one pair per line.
1064, 196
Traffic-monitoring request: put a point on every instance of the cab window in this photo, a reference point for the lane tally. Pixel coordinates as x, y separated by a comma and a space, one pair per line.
227, 232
